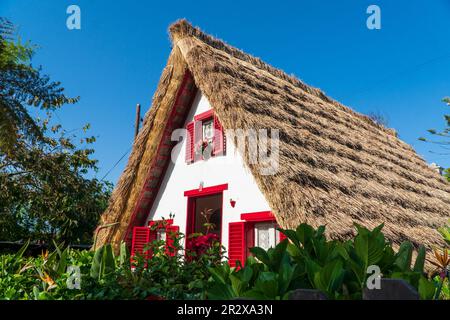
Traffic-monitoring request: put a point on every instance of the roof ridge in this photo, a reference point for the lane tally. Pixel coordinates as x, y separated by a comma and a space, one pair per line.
183, 28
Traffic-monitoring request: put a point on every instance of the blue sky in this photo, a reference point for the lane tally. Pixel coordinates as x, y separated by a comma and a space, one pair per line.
401, 71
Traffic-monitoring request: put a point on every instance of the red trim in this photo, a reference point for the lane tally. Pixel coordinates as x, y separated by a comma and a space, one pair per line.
206, 191
204, 115
190, 142
258, 216
183, 102
190, 212
192, 195
249, 238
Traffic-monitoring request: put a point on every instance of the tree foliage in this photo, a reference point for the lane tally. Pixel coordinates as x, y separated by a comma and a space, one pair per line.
44, 190
442, 137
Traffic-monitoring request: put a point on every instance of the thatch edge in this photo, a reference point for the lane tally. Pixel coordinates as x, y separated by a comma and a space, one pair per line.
124, 196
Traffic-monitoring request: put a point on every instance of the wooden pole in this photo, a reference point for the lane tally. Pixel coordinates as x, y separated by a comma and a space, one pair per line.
138, 120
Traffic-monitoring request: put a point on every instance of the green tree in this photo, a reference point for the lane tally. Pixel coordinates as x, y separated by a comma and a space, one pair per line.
44, 190
442, 138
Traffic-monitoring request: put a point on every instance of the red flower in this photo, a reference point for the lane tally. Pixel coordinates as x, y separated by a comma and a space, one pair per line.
201, 244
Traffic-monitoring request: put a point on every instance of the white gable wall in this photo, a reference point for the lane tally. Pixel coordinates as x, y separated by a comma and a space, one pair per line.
229, 169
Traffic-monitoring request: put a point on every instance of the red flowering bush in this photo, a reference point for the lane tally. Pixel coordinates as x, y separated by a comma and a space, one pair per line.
200, 244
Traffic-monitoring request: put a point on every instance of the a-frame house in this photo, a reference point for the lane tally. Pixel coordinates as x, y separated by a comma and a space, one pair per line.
333, 166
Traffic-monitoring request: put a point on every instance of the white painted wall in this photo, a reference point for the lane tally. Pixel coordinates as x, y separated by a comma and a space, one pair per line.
229, 168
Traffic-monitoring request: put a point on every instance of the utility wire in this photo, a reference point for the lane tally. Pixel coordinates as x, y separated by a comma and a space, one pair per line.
117, 162
401, 73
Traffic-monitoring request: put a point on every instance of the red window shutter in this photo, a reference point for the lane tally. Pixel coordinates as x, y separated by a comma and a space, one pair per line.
171, 233
190, 142
236, 243
141, 236
219, 138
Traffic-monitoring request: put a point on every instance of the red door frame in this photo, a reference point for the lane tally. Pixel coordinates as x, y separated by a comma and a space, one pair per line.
192, 195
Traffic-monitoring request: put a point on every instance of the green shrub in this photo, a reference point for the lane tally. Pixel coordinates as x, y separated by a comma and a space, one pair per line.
310, 261
305, 260
167, 275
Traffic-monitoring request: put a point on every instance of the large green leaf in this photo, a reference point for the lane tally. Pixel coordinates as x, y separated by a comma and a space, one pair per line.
369, 245
267, 284
96, 266
261, 255
420, 260
220, 291
426, 289
291, 235
285, 276
330, 278
124, 256
278, 256
237, 284
311, 269
304, 234
404, 256
220, 274
21, 251
109, 259
62, 265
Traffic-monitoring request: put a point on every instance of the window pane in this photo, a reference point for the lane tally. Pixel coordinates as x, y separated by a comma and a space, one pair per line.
208, 210
208, 130
265, 235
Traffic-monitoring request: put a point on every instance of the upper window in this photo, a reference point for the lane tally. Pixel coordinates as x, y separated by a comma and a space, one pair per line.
205, 137
208, 130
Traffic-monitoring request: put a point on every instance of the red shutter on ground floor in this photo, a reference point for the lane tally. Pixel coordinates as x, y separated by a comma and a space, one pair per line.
141, 236
236, 243
190, 142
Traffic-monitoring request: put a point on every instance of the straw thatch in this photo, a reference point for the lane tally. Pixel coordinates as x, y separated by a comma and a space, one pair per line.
337, 167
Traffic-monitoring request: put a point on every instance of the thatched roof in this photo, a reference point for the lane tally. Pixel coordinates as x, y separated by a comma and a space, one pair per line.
337, 167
